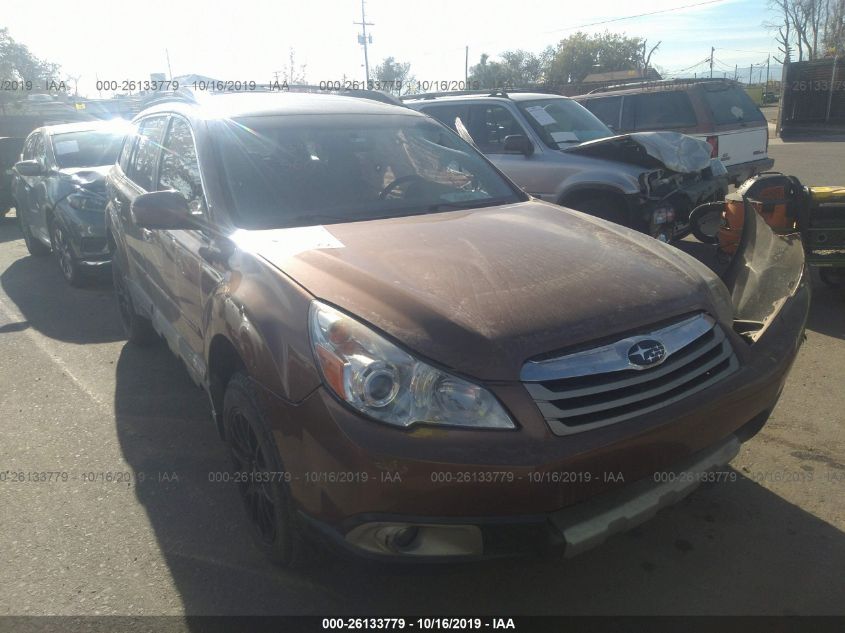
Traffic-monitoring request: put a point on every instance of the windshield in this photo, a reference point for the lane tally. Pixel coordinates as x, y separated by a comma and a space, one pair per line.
304, 170
563, 122
86, 149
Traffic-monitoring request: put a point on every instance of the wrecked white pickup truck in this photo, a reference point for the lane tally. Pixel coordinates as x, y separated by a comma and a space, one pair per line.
557, 150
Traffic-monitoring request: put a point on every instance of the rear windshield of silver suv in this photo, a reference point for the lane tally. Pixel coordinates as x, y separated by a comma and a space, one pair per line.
731, 105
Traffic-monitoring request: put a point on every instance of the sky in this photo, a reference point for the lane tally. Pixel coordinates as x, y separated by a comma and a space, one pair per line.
250, 39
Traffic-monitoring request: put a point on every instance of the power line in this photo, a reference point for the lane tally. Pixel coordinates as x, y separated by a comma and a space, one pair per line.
632, 17
739, 50
584, 26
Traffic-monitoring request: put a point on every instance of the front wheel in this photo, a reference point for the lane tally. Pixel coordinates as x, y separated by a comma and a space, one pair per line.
259, 474
68, 264
139, 330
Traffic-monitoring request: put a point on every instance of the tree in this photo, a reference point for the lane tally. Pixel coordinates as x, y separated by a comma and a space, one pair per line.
292, 73
17, 63
581, 54
815, 28
644, 60
393, 76
517, 69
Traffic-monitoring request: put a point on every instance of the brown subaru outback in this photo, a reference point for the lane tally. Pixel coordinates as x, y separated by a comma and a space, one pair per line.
409, 357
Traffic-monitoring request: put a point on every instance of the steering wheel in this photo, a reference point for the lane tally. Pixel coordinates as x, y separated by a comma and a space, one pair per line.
397, 182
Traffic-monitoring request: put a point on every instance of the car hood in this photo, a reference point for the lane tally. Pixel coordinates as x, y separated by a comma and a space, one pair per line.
481, 291
92, 178
89, 178
678, 152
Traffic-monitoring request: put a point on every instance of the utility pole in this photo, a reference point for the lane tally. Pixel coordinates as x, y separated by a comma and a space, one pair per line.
736, 72
832, 82
169, 71
768, 65
750, 74
712, 50
466, 69
363, 39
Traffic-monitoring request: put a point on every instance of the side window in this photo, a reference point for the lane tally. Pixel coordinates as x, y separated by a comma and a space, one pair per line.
606, 110
39, 151
28, 152
662, 110
126, 151
179, 167
489, 124
447, 114
143, 163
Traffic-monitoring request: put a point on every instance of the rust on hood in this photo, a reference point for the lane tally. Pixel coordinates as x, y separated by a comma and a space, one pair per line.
481, 291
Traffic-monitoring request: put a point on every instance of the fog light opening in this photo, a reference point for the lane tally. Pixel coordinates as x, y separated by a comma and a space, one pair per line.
405, 539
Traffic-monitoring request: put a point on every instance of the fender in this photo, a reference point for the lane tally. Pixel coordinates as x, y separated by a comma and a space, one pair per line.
595, 180
258, 334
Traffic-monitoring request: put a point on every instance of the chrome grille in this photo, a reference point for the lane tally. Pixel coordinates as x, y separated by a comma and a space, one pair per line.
602, 385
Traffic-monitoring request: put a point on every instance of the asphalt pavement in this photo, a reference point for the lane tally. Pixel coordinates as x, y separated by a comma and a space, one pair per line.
130, 523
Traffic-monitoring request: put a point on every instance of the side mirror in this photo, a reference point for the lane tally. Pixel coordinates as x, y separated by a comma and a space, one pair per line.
29, 168
518, 144
162, 210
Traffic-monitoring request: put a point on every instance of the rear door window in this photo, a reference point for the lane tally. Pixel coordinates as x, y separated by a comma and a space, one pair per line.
447, 114
489, 124
662, 111
143, 164
731, 105
606, 109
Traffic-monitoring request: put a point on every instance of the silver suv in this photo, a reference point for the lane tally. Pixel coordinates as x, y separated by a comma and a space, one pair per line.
558, 151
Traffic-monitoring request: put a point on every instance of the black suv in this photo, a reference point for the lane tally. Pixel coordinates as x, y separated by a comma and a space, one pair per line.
58, 190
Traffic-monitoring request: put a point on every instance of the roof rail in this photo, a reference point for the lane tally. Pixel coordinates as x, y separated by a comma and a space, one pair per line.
188, 95
660, 83
456, 93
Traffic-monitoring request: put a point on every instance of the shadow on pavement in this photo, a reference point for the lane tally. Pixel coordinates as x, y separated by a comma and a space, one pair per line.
730, 548
51, 306
811, 136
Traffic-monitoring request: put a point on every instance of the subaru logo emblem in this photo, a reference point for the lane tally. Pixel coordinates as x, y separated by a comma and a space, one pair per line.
646, 353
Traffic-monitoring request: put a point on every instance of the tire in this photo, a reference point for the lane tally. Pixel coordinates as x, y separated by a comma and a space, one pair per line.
604, 206
268, 504
68, 264
834, 277
702, 221
138, 329
35, 246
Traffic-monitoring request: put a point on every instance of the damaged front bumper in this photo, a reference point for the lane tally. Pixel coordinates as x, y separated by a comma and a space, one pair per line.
765, 273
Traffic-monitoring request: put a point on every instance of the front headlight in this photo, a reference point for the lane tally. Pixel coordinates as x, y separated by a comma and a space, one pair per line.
388, 384
86, 202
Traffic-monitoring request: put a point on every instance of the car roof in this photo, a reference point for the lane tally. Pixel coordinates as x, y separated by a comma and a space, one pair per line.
510, 96
243, 104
